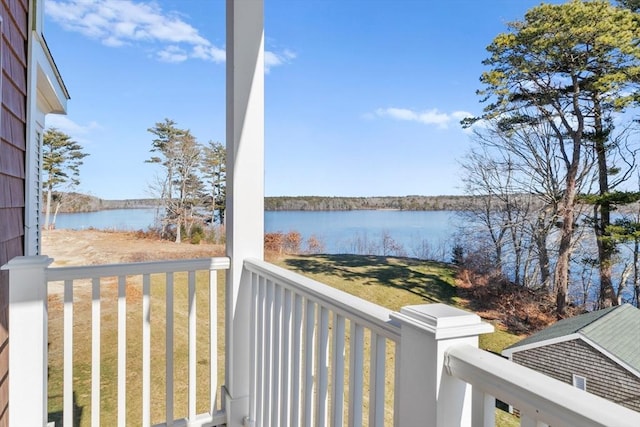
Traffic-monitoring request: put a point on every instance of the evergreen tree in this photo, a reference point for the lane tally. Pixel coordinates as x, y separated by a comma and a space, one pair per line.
215, 173
61, 161
164, 148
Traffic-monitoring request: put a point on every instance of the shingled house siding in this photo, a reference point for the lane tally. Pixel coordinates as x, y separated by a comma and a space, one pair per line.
13, 50
605, 378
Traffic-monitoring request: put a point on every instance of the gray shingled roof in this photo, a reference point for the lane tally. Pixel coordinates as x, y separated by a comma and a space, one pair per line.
615, 329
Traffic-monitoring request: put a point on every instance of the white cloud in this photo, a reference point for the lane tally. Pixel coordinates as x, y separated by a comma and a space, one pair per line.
125, 22
75, 130
117, 23
172, 54
459, 115
209, 53
272, 59
427, 117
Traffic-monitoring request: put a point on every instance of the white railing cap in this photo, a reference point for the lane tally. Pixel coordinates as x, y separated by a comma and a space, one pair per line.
442, 320
134, 268
26, 262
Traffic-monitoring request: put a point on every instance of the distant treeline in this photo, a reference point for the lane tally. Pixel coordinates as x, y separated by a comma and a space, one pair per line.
407, 203
76, 202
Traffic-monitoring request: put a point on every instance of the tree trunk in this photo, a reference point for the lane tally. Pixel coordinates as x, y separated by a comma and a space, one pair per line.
561, 280
178, 231
47, 210
606, 247
540, 239
636, 279
606, 250
55, 215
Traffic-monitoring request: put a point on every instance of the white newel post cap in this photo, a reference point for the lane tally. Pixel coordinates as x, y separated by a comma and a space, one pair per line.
427, 394
26, 283
442, 320
27, 262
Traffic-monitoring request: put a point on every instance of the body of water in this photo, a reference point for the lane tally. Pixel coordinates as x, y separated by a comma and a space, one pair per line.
375, 232
384, 232
112, 219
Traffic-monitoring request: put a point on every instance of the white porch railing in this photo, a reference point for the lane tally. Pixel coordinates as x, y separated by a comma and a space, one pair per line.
318, 356
301, 332
541, 400
30, 281
321, 357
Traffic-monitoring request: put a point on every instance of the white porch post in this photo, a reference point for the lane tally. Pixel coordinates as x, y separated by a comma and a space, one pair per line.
245, 188
28, 340
428, 396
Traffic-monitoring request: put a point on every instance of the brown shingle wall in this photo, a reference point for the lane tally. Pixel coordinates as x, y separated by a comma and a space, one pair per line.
605, 378
12, 161
14, 16
13, 114
13, 62
12, 130
12, 191
11, 102
11, 228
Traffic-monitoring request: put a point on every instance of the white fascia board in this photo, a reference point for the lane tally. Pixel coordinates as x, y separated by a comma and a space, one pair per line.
509, 352
52, 93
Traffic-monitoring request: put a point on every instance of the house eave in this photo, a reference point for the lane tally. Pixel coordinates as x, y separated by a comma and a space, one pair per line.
51, 90
510, 351
611, 356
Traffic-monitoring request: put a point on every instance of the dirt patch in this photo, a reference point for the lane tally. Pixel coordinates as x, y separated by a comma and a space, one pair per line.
92, 247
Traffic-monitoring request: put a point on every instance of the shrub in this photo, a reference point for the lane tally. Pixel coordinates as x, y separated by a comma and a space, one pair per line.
273, 242
292, 241
457, 257
315, 245
197, 233
195, 238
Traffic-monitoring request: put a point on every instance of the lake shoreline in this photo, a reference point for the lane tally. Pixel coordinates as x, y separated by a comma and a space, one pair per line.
77, 202
382, 231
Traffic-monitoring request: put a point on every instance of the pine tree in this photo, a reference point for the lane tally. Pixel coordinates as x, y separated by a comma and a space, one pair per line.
61, 161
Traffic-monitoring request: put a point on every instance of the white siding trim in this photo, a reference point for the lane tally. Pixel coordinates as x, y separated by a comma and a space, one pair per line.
45, 94
510, 351
33, 190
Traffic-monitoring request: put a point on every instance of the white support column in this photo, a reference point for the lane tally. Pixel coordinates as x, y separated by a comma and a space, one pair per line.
428, 396
245, 188
28, 340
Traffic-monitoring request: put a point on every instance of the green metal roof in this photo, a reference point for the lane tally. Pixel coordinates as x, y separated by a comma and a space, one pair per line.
615, 329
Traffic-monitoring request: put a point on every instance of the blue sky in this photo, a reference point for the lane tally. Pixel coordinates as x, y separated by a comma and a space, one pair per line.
363, 97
